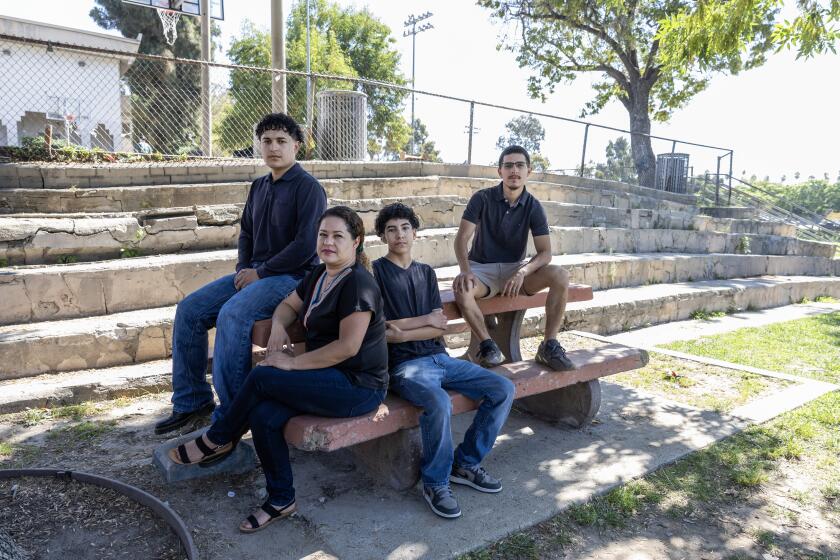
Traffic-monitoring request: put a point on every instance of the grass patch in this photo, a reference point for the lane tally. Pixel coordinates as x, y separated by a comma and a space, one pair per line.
727, 472
34, 416
808, 347
701, 385
83, 432
704, 315
826, 299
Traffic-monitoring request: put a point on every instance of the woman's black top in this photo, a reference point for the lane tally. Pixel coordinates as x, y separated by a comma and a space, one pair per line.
325, 306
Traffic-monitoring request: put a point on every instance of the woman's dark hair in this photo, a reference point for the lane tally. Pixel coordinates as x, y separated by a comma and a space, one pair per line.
515, 150
355, 227
280, 121
393, 211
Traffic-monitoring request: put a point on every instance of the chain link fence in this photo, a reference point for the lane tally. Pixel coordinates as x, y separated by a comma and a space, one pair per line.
129, 104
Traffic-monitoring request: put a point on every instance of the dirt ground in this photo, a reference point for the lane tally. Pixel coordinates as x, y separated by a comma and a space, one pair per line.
787, 517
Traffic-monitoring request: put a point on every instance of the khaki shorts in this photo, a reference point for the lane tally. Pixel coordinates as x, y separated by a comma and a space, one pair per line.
494, 275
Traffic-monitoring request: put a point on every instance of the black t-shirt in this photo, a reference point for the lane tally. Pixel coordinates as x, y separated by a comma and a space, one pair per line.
408, 292
501, 233
353, 291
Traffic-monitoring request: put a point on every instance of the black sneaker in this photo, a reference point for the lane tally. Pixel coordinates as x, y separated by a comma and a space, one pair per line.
489, 354
551, 354
178, 420
442, 502
475, 477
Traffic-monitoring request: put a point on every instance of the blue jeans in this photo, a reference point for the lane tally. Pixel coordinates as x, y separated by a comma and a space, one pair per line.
233, 313
271, 396
424, 381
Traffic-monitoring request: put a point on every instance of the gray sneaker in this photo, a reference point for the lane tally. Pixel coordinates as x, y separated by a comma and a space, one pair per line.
442, 502
488, 354
475, 477
551, 354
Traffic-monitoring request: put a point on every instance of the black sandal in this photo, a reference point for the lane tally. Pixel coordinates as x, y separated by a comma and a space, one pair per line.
219, 457
273, 514
179, 454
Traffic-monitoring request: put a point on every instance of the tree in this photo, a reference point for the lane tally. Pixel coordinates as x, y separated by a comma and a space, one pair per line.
250, 90
619, 41
343, 42
619, 166
165, 97
422, 146
526, 131
370, 49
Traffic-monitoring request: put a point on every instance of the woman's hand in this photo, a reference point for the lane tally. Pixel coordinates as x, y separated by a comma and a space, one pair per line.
279, 360
279, 339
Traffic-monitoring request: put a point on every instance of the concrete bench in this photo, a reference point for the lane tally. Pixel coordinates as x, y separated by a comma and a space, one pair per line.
387, 440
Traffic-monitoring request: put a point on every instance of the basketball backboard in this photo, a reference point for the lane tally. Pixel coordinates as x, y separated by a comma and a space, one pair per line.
184, 7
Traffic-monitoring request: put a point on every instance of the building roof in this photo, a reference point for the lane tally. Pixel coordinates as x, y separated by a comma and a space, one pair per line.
40, 31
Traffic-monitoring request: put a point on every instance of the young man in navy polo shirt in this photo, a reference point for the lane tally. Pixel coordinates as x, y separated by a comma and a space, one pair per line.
500, 218
278, 231
422, 371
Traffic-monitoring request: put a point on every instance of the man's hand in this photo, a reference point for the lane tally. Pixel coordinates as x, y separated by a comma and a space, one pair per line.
437, 319
514, 283
278, 341
280, 360
393, 333
464, 282
245, 277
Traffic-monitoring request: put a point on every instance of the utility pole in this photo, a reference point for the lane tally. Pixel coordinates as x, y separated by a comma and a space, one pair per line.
308, 71
278, 56
412, 22
206, 106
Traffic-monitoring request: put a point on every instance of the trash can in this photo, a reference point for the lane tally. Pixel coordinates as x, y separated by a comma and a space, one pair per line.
341, 128
672, 173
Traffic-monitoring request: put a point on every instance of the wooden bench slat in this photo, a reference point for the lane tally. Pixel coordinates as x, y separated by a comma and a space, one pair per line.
313, 433
491, 306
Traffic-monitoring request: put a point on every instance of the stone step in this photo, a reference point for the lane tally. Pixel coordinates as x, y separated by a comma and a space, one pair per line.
51, 240
59, 176
610, 311
138, 198
53, 292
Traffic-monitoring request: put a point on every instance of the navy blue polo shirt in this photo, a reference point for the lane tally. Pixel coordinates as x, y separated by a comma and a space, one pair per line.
279, 225
501, 234
408, 292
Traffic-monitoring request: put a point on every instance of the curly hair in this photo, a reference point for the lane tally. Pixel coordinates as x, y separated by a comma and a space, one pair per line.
355, 227
395, 211
280, 121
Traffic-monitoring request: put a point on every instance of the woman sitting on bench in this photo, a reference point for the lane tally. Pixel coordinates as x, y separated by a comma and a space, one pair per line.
343, 373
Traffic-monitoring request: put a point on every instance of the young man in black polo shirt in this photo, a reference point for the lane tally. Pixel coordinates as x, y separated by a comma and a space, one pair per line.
422, 371
500, 218
278, 231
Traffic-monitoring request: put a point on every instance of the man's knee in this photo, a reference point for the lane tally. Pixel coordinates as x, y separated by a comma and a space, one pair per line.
231, 315
558, 276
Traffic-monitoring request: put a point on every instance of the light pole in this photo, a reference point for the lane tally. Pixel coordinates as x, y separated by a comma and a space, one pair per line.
412, 22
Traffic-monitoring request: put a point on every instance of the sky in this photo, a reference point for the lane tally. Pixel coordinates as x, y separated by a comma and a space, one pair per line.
779, 119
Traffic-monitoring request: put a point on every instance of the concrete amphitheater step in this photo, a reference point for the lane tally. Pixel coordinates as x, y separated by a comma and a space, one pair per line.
138, 336
57, 176
609, 312
26, 241
137, 198
54, 292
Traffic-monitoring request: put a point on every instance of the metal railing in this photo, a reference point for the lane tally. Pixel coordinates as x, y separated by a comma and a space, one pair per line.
138, 103
767, 206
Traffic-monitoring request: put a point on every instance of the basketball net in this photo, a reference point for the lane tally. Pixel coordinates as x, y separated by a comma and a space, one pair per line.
169, 19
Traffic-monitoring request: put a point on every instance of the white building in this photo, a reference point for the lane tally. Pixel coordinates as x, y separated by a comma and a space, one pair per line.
79, 93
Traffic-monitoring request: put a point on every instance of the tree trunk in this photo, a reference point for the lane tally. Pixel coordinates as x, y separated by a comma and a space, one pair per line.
643, 157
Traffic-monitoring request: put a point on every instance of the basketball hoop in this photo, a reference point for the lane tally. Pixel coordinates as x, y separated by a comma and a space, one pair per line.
169, 19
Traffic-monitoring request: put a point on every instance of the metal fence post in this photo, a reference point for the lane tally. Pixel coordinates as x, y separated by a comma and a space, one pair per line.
470, 132
717, 183
730, 177
583, 153
206, 143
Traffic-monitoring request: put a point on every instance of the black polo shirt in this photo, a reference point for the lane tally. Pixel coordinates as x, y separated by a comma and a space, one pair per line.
279, 225
501, 234
355, 291
408, 292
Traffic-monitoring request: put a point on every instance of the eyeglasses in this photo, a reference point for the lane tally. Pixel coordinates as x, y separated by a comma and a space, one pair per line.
520, 165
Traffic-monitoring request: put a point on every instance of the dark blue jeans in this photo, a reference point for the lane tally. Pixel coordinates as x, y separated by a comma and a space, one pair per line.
233, 313
266, 401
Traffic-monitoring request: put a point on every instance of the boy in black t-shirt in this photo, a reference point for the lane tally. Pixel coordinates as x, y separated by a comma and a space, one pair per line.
422, 371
